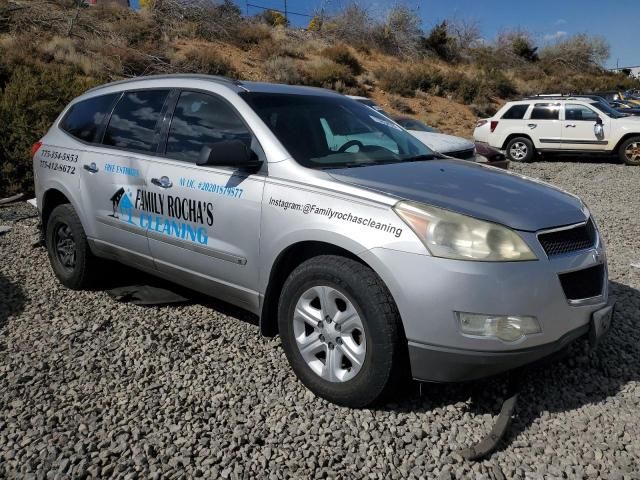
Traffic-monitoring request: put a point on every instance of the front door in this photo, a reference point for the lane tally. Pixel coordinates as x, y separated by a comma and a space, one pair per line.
579, 129
203, 222
113, 173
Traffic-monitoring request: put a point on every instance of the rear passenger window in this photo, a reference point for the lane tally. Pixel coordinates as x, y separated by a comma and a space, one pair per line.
515, 113
200, 119
545, 111
84, 119
134, 120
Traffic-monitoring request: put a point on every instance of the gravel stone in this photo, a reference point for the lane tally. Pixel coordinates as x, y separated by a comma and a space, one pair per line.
94, 388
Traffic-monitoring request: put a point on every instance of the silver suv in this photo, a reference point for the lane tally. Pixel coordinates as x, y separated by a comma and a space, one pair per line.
374, 259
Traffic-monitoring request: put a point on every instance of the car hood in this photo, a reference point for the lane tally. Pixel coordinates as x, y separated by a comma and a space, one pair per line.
471, 189
442, 143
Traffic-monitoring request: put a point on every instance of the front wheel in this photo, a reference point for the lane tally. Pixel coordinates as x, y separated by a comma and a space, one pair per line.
630, 151
341, 331
520, 149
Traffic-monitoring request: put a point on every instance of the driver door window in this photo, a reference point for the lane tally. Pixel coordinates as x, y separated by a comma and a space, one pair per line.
579, 113
200, 119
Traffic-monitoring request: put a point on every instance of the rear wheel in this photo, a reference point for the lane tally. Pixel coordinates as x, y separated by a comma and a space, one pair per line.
341, 331
630, 151
520, 149
69, 253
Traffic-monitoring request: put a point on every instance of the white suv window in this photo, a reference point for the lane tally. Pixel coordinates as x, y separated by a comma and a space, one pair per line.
545, 111
516, 112
579, 113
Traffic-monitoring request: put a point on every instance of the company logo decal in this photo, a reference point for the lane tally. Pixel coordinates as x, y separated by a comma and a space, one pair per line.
178, 217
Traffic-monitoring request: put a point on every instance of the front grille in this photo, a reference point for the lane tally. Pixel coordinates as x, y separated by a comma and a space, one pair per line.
570, 240
462, 154
582, 284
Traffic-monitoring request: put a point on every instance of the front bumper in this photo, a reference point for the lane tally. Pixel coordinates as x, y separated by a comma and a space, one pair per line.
434, 364
428, 291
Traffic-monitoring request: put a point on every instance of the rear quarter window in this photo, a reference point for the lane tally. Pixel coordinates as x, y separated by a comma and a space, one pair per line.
84, 119
516, 112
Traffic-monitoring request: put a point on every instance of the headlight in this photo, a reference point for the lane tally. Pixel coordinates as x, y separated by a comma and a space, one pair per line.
452, 235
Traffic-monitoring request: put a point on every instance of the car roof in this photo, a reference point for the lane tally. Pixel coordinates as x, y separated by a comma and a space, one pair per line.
236, 85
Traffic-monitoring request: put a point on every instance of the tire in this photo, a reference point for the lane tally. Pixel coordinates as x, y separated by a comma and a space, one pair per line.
69, 253
520, 149
629, 151
348, 288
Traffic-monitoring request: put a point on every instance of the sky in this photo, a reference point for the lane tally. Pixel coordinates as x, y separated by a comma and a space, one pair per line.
618, 21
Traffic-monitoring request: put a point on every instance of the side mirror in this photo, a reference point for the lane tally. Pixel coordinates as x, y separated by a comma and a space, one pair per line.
599, 121
229, 153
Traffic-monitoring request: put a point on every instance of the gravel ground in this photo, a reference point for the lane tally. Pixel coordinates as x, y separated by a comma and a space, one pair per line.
90, 387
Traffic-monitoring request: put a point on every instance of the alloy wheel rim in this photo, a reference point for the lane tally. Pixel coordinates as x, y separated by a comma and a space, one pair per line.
518, 151
329, 334
632, 152
65, 246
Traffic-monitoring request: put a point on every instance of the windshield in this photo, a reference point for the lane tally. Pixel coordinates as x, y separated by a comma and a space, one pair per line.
607, 110
334, 132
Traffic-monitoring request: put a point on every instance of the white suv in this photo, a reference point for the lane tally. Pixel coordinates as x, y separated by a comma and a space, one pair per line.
561, 124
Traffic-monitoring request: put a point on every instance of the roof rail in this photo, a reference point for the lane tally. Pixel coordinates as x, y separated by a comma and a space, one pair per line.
567, 96
192, 76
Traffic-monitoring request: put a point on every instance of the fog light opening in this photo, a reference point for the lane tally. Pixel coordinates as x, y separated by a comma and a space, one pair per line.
508, 328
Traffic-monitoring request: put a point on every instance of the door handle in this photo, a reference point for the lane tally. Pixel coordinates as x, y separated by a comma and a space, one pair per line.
163, 182
92, 168
532, 125
572, 125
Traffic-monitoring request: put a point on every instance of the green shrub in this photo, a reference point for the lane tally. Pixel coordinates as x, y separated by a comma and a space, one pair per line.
326, 73
341, 54
282, 70
32, 99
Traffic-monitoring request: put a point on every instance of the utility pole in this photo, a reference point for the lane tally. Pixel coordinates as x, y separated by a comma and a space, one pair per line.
286, 18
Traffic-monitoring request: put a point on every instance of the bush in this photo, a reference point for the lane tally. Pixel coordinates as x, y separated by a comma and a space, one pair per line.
353, 25
400, 104
32, 99
274, 18
284, 47
406, 81
326, 73
440, 42
205, 61
248, 34
341, 54
399, 33
282, 70
580, 52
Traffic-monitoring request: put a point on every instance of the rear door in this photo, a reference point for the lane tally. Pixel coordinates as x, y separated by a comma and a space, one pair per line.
579, 128
544, 125
203, 222
114, 174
